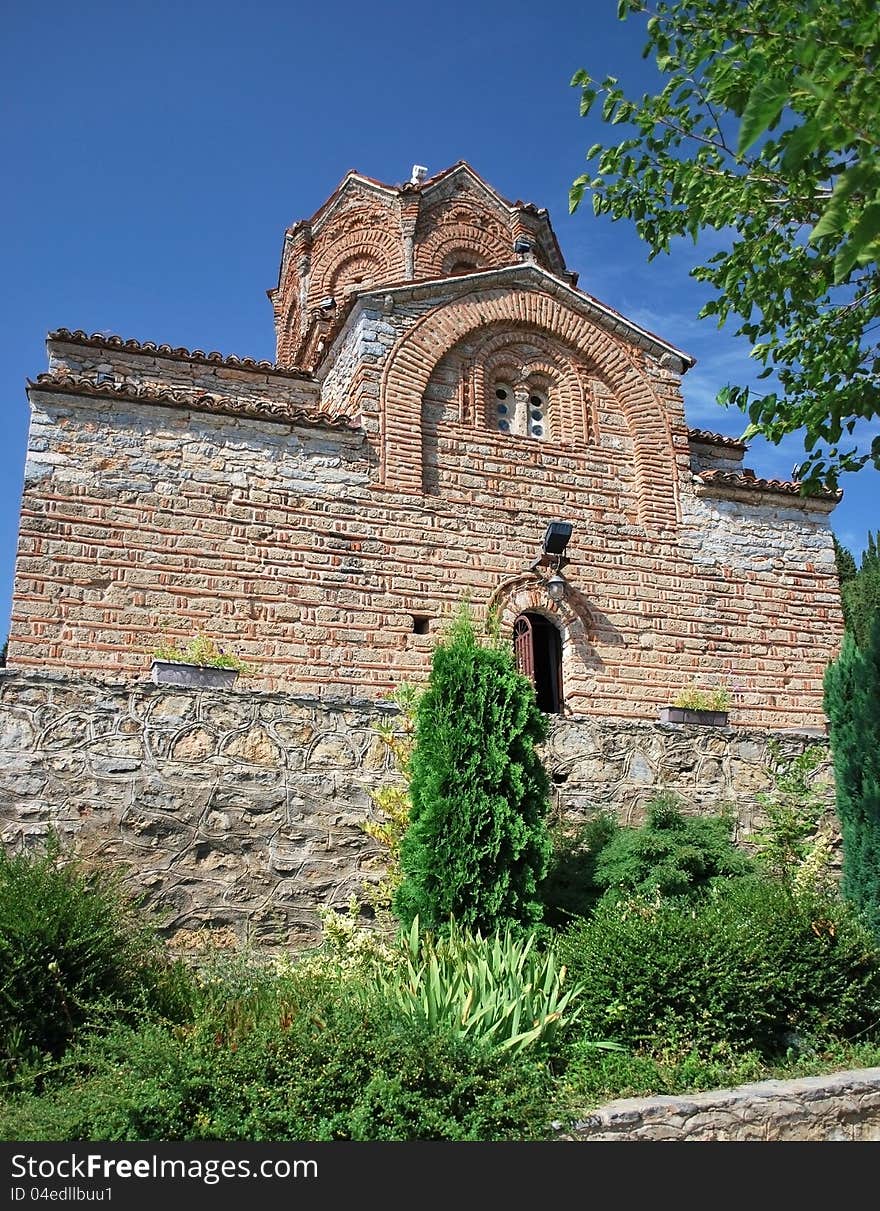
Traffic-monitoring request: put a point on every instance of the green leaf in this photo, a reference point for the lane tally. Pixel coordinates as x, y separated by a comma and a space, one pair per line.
867, 229
799, 143
861, 241
766, 102
832, 221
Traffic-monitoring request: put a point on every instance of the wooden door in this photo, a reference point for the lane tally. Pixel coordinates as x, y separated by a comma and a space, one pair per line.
524, 646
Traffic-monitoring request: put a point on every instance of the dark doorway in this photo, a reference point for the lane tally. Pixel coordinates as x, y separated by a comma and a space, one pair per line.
538, 648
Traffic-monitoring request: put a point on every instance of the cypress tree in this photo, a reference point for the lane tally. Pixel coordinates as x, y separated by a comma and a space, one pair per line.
845, 560
477, 846
859, 589
852, 703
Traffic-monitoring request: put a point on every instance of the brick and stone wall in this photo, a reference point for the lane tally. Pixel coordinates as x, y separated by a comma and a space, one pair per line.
306, 518
844, 1106
243, 810
145, 517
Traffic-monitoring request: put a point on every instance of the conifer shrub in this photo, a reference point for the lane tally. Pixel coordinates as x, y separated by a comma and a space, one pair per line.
753, 966
852, 703
860, 589
477, 846
670, 854
75, 950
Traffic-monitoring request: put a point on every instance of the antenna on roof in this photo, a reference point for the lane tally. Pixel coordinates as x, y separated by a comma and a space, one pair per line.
419, 172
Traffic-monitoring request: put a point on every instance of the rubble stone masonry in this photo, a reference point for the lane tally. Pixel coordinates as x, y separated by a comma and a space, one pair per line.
243, 811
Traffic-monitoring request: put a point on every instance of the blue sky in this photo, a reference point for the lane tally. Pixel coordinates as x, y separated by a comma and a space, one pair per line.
154, 155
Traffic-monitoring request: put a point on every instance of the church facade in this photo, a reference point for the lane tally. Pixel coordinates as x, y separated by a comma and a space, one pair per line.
443, 392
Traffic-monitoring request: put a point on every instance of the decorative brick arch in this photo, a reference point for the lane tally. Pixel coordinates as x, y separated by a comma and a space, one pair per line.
382, 248
452, 241
413, 359
365, 265
526, 594
556, 364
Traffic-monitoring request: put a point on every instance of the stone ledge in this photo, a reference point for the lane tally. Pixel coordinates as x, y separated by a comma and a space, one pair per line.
842, 1106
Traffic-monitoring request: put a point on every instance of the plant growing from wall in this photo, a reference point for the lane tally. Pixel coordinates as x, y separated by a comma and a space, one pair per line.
852, 703
393, 802
205, 652
695, 699
477, 847
795, 843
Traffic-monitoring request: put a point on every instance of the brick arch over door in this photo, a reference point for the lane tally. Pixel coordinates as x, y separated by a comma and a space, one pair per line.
416, 354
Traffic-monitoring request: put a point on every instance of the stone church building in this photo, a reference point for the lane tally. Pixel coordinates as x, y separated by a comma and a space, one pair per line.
443, 390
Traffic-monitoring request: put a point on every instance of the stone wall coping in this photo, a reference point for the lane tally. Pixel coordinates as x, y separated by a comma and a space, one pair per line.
147, 687
64, 383
98, 340
641, 1111
51, 679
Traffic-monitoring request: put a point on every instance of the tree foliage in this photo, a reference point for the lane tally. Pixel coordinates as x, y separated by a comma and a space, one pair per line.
477, 846
852, 703
860, 589
765, 129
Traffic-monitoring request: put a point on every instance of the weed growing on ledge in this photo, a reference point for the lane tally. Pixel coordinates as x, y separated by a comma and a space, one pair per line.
204, 651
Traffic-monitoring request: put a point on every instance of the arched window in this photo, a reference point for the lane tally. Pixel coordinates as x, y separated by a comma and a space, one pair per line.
537, 422
505, 407
538, 650
520, 406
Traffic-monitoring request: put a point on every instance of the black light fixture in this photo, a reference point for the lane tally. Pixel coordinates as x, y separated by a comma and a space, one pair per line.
522, 246
556, 586
556, 539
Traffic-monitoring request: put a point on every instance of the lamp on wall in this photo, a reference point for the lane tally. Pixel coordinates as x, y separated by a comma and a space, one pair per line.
556, 539
556, 586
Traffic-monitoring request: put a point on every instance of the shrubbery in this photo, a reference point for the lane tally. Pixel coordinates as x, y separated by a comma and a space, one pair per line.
317, 1060
852, 702
753, 965
74, 951
501, 991
671, 854
477, 846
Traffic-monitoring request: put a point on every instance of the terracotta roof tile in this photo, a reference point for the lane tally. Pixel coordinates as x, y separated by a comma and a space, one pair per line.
751, 483
716, 439
73, 384
98, 340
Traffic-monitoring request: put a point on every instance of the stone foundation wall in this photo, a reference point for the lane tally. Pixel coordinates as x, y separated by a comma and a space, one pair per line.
244, 810
844, 1106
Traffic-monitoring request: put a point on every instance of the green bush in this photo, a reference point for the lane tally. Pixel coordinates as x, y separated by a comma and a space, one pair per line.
753, 966
569, 889
74, 950
477, 845
670, 854
326, 1062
